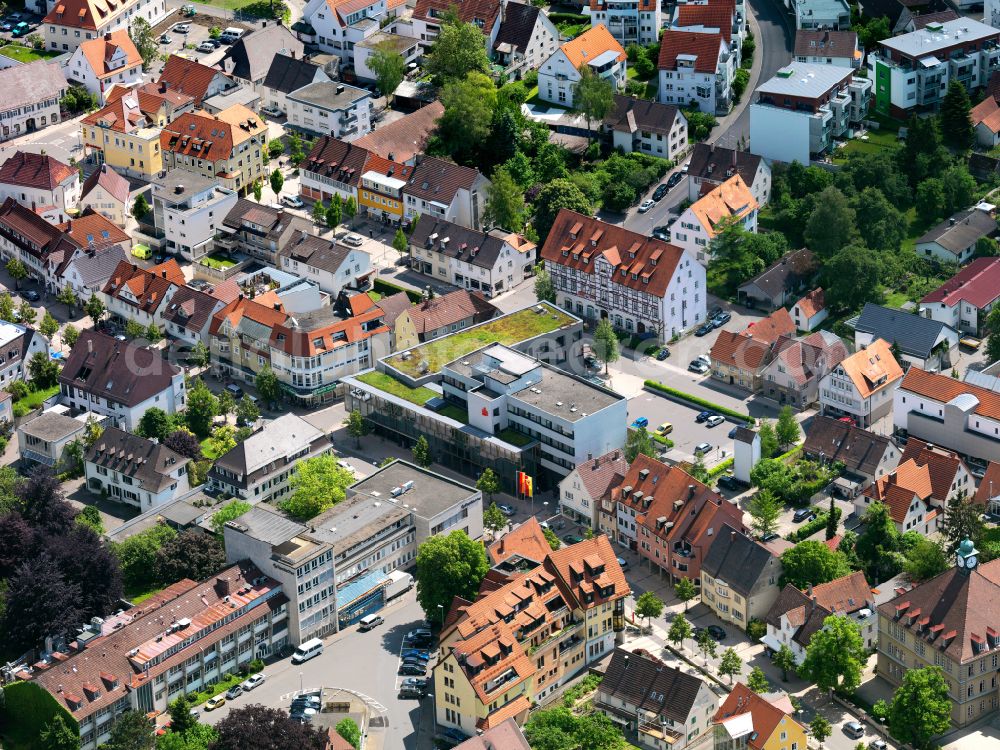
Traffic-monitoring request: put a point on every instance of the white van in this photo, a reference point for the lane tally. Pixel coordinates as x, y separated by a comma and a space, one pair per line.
369, 621
307, 651
230, 35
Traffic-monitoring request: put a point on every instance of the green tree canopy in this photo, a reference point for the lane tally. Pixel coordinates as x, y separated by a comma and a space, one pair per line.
468, 113
606, 347
459, 49
764, 512
448, 566
317, 484
593, 95
921, 708
505, 207
835, 656
638, 441
648, 605
832, 225
812, 563
556, 195
956, 122
229, 512
389, 68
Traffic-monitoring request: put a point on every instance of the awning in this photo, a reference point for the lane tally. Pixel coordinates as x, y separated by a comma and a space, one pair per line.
771, 642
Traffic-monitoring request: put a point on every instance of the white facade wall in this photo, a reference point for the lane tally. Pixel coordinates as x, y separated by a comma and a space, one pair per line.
320, 120
357, 263
838, 393
126, 490
80, 71
629, 25
69, 38
780, 134
689, 233
171, 400
191, 231
64, 196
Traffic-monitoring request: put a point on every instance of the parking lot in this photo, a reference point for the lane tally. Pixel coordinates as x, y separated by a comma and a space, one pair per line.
687, 433
185, 44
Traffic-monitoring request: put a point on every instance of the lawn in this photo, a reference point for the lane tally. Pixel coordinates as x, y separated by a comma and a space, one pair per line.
374, 296
515, 438
220, 261
140, 594
26, 54
394, 387
508, 330
33, 400
206, 451
878, 140
453, 412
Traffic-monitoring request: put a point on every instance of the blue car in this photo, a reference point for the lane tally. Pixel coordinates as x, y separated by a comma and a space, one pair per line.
703, 416
640, 422
417, 654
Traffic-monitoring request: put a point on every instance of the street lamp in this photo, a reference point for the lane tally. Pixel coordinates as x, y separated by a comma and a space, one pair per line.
441, 607
301, 688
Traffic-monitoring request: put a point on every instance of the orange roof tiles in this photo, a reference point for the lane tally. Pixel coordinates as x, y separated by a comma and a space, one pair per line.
402, 139
770, 329
766, 716
39, 171
590, 44
101, 51
730, 199
812, 303
211, 137
188, 76
943, 389
873, 368
715, 15
986, 113
943, 465
92, 229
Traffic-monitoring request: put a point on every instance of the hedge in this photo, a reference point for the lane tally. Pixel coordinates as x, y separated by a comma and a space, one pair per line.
721, 468
662, 440
26, 709
655, 386
387, 287
806, 531
568, 18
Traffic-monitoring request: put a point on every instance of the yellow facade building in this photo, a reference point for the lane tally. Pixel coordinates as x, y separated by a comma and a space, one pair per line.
125, 134
747, 721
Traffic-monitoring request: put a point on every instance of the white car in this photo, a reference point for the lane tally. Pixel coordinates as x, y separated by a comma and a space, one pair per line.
715, 420
206, 47
272, 111
646, 205
354, 240
183, 28
253, 681
704, 359
292, 201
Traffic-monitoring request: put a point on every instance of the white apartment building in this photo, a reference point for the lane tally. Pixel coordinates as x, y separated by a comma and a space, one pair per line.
18, 344
109, 60
340, 27
70, 23
40, 182
329, 265
445, 190
641, 284
189, 209
330, 108
596, 48
862, 385
43, 440
135, 471
821, 14
647, 127
696, 67
32, 93
629, 21
802, 110
965, 301
695, 229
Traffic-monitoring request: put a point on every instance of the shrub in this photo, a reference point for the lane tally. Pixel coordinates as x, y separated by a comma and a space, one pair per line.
807, 530
384, 288
654, 386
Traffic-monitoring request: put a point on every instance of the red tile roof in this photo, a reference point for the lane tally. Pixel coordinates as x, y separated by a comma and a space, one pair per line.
81, 14
526, 540
989, 487
873, 368
944, 465
717, 14
770, 329
188, 77
705, 46
978, 284
812, 303
113, 184
39, 171
766, 716
942, 388
483, 13
91, 229
101, 51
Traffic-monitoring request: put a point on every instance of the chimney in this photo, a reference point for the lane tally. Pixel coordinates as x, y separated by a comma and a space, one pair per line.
690, 491
164, 273
222, 586
69, 226
90, 346
163, 87
107, 37
178, 189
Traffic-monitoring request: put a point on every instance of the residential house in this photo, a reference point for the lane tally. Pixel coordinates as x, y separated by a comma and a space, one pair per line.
392, 306
286, 74
438, 316
966, 299
109, 60
120, 380
864, 455
947, 622
404, 139
333, 167
381, 193
525, 40
927, 343
862, 385
639, 283
757, 722
821, 14
983, 167
330, 266
524, 540
31, 239
927, 473
595, 48
6, 409
142, 295
70, 23
86, 238
962, 417
739, 578
87, 271
43, 440
780, 283
823, 46
498, 659
810, 310
18, 344
135, 470
330, 108
187, 317
339, 27
811, 106
157, 95
589, 485
188, 212
630, 22
670, 518
428, 14
250, 57
507, 734
954, 239
988, 493
258, 468
125, 134
38, 181
406, 47
726, 17
263, 231
107, 193
227, 147
917, 67
696, 67
985, 118
648, 127
739, 357
488, 262
446, 191
190, 78
34, 91
796, 615
905, 17
697, 226
794, 374
711, 165
662, 704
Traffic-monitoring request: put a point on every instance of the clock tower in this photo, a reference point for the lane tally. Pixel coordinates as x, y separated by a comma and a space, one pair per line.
966, 557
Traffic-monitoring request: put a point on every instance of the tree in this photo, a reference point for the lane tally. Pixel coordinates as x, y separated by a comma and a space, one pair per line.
40, 499
784, 659
820, 729
558, 194
319, 212
199, 737
181, 718
350, 209
137, 554
202, 406
835, 656
131, 730
757, 681
348, 729
831, 225
185, 443
70, 335
959, 188
852, 277
731, 664
593, 95
787, 429
27, 313
38, 602
226, 403
154, 423
268, 386
930, 200
389, 68
924, 561
140, 207
494, 519
317, 484
334, 212
199, 356
44, 371
400, 243
606, 346
764, 511
680, 630
880, 223
469, 104
94, 308
648, 605
920, 709
68, 297
956, 123
58, 735
191, 554
962, 520
459, 49
448, 566
357, 427
489, 484
247, 412
877, 546
228, 512
545, 290
277, 181
685, 590
812, 563
832, 520
295, 152
145, 41
422, 452
257, 727
706, 644
258, 190
6, 306
505, 202
49, 326
874, 31
17, 272
153, 333
638, 441
134, 329
768, 439
90, 517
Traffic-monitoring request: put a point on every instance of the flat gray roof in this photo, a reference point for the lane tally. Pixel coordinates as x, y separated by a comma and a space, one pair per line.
805, 79
431, 493
565, 396
191, 182
325, 94
936, 37
356, 519
51, 426
267, 526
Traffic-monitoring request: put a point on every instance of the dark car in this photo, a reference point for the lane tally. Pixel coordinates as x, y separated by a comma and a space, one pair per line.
662, 232
716, 632
408, 691
413, 669
674, 179
660, 192
703, 416
721, 319
729, 482
418, 682
804, 514
572, 539
714, 311
31, 295
419, 653
662, 354
769, 537
732, 433
704, 329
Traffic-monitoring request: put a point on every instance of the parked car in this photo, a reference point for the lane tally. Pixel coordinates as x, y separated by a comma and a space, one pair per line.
702, 448
353, 240
703, 416
854, 729
572, 539
165, 39
729, 482
661, 190
662, 232
699, 367
272, 111
732, 433
665, 429
234, 692
6, 26
878, 745
646, 205
216, 702
21, 29
662, 354
770, 537
206, 47
705, 359
253, 681
507, 510
412, 669
715, 631
623, 563
675, 178
721, 319
409, 691
182, 28
704, 329
419, 633
234, 390
639, 422
715, 420
421, 654
292, 201
804, 514
31, 295
421, 682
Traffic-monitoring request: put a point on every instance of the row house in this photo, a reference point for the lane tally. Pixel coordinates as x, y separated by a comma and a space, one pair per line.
134, 293
700, 222
109, 194
589, 485
595, 48
18, 344
641, 284
97, 243
28, 237
964, 301
539, 624
40, 182
710, 165
438, 316
446, 190
827, 47
134, 470
110, 60
120, 380
488, 262
696, 67
32, 102
804, 109
794, 375
380, 193
739, 578
861, 386
428, 16
189, 78
669, 517
757, 722
70, 23
739, 357
333, 167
